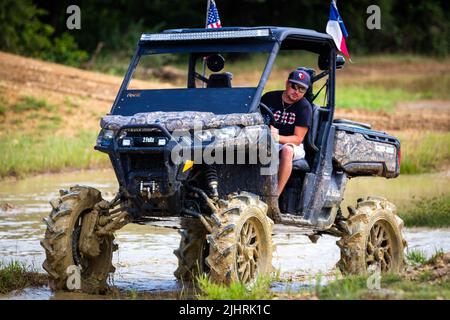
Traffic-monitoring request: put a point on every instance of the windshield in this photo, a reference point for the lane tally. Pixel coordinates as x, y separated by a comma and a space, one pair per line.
219, 78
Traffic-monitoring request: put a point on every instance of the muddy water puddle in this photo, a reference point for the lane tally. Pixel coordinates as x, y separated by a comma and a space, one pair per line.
145, 261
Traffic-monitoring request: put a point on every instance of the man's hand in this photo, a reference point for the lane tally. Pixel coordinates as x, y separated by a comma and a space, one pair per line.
275, 133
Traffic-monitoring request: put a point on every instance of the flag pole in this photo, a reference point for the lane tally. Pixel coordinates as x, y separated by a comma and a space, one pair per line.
206, 26
207, 12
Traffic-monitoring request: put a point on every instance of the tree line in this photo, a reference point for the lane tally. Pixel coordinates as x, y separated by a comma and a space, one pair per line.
38, 27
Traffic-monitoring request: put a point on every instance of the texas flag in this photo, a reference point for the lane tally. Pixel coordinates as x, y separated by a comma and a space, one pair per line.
336, 28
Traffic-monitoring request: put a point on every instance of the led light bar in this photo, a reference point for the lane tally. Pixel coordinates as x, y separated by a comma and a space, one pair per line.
209, 35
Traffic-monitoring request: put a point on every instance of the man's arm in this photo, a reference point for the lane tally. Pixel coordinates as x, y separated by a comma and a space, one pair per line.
296, 138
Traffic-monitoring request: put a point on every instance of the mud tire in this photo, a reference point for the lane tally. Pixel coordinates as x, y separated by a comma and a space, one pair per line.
240, 248
375, 238
61, 246
192, 251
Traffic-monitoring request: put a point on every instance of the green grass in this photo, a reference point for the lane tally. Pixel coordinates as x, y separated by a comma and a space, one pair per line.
416, 257
15, 275
26, 154
437, 255
71, 103
49, 123
424, 152
28, 103
433, 213
3, 106
370, 98
259, 290
47, 126
419, 87
392, 286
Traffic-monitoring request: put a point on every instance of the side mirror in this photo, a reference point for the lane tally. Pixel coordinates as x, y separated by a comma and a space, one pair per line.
324, 61
215, 62
340, 61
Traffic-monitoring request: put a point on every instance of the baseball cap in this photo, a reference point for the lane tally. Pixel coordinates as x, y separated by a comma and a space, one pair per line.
300, 77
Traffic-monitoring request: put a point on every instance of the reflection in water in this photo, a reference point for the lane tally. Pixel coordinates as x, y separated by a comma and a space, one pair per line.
145, 259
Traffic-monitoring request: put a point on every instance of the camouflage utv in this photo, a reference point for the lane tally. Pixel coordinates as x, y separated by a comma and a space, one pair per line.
161, 142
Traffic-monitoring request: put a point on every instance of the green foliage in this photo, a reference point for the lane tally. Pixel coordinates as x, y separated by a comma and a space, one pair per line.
37, 28
65, 50
416, 257
24, 33
16, 275
349, 288
259, 290
415, 26
433, 213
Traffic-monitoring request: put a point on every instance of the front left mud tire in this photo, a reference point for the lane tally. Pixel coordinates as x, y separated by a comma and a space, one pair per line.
61, 242
192, 251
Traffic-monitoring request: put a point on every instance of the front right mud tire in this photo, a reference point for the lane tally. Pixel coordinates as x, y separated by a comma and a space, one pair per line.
240, 249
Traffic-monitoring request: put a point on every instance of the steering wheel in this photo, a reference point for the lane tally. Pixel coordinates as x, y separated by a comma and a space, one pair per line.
269, 118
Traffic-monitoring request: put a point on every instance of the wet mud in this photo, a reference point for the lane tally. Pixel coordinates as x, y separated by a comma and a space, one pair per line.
145, 261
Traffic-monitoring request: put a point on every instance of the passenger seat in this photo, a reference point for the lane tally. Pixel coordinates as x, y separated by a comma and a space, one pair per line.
220, 80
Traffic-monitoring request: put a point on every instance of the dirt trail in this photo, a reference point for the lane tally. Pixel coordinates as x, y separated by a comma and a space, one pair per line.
93, 93
37, 76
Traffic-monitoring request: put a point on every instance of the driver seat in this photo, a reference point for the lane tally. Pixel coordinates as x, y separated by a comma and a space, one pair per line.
302, 164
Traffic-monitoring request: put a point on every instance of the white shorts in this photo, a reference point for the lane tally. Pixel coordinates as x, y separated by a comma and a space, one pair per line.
299, 151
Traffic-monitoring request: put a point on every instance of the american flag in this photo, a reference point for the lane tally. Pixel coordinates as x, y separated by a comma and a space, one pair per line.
213, 16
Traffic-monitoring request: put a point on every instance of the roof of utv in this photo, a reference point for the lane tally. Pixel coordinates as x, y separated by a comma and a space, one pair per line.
264, 33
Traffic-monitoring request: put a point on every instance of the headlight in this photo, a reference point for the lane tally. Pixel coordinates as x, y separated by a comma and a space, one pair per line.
105, 137
227, 132
219, 134
108, 135
203, 135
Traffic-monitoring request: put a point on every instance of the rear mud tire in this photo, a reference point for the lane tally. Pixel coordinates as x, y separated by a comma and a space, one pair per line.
61, 246
192, 251
375, 241
241, 248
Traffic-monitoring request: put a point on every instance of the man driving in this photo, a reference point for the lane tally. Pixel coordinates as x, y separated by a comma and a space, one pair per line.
292, 113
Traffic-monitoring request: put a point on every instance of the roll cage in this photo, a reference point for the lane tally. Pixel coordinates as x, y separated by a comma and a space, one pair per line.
258, 39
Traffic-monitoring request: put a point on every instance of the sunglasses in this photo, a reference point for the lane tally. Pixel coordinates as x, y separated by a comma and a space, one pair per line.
298, 87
